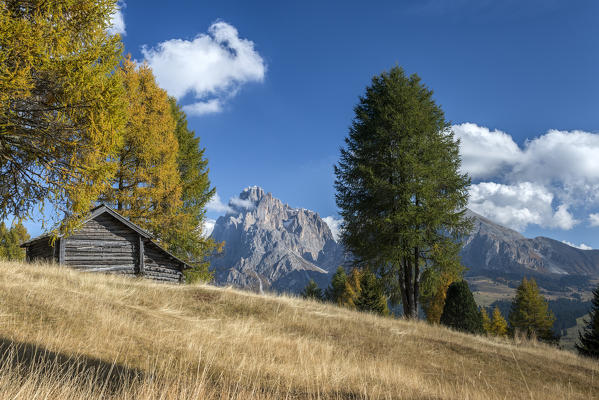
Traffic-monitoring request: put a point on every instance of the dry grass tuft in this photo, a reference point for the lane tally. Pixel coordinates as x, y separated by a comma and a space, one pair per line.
66, 334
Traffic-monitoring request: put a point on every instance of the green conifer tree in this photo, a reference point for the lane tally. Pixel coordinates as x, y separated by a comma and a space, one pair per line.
460, 311
588, 337
371, 297
334, 293
188, 242
399, 186
312, 291
530, 313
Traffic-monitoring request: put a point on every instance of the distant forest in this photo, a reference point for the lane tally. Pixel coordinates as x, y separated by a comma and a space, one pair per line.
552, 283
566, 312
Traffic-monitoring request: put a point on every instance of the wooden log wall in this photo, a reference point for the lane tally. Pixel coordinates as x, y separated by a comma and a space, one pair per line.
41, 250
103, 244
159, 266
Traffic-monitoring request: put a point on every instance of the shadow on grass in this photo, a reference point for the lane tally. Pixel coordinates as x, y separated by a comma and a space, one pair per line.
29, 360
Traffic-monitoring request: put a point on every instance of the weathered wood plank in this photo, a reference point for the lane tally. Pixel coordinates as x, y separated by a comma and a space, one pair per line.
101, 250
162, 278
61, 252
96, 262
161, 268
124, 267
140, 255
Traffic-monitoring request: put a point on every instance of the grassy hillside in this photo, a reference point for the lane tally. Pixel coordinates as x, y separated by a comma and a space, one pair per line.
65, 334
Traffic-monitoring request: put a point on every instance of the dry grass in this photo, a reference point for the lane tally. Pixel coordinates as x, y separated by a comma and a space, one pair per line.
65, 334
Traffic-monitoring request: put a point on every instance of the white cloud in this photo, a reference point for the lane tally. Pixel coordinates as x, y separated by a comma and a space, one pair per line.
216, 205
594, 219
564, 158
562, 164
208, 227
334, 225
211, 67
484, 152
242, 203
203, 107
519, 205
117, 21
581, 246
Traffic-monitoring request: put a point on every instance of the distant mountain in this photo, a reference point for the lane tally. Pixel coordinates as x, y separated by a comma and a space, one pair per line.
492, 247
270, 245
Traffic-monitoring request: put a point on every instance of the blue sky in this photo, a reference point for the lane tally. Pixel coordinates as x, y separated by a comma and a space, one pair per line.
270, 88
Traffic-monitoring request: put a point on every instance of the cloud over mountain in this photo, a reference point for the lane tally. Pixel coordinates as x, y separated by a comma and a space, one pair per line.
334, 225
538, 183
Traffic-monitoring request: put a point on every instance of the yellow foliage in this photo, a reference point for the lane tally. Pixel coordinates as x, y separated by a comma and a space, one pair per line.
486, 320
352, 289
147, 184
498, 325
433, 307
61, 108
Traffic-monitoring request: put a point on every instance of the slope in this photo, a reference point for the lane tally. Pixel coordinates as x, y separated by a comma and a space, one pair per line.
67, 334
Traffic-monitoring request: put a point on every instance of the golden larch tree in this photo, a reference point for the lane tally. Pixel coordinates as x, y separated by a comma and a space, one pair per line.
61, 107
147, 185
498, 325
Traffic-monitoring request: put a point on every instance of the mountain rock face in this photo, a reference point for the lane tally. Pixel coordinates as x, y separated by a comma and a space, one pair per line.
492, 247
269, 245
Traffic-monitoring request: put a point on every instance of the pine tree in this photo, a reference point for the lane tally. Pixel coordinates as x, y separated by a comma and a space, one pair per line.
530, 313
371, 297
312, 291
60, 105
460, 311
498, 325
10, 241
334, 293
188, 241
588, 337
486, 321
399, 187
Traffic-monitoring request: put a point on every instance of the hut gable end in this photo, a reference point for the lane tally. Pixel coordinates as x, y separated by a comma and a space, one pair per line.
103, 244
108, 242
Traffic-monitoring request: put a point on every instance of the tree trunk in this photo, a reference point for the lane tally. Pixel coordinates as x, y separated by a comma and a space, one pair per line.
402, 287
416, 291
409, 307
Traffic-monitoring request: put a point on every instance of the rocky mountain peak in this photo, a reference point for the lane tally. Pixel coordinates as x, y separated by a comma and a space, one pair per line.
269, 244
253, 194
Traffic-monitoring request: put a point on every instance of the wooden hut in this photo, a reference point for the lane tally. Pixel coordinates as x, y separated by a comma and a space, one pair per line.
108, 242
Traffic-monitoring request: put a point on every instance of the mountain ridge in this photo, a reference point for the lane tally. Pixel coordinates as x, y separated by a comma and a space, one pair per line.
491, 246
270, 245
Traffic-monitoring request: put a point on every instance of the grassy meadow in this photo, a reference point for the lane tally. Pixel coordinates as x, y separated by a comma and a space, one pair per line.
68, 334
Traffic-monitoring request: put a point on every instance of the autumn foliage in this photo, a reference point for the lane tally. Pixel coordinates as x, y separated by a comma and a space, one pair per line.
61, 108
